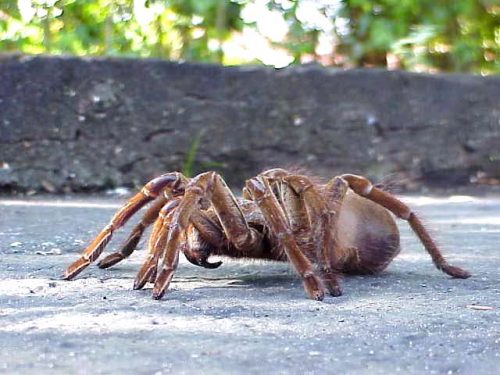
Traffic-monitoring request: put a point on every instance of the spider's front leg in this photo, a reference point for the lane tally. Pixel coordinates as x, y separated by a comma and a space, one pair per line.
133, 239
156, 244
201, 225
171, 181
204, 187
276, 219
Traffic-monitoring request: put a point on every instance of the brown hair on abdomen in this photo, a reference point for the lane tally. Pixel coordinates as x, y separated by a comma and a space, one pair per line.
373, 255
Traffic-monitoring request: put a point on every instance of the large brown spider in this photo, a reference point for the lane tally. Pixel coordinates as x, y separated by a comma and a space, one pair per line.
343, 226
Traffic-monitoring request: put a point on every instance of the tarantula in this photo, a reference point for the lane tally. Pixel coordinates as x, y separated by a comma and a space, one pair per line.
323, 230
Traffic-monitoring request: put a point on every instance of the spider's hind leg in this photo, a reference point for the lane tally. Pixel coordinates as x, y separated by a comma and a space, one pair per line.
363, 187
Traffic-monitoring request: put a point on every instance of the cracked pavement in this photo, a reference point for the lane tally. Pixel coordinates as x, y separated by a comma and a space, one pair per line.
247, 316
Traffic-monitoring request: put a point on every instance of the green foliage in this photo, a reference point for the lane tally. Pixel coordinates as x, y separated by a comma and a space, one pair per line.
449, 35
301, 39
428, 35
190, 29
190, 166
190, 160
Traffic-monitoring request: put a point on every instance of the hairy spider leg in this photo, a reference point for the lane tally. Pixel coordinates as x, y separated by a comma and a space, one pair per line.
364, 187
320, 215
133, 239
156, 244
323, 218
275, 217
172, 181
158, 241
206, 186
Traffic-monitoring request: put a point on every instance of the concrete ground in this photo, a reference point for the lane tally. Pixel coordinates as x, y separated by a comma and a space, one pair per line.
245, 317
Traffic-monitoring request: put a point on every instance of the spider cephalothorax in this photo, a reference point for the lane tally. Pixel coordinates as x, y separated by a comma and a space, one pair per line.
323, 230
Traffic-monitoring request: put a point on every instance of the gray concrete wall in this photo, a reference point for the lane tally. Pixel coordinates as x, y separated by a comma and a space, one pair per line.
90, 124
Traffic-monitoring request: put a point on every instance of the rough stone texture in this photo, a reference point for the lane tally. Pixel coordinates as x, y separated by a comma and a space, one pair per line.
88, 124
245, 317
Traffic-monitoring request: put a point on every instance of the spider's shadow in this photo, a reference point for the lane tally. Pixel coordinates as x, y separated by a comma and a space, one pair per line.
234, 280
267, 281
354, 286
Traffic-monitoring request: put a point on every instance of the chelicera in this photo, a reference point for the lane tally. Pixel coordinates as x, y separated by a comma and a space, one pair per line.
343, 226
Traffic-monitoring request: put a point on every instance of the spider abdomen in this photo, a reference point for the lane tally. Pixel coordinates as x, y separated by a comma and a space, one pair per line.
368, 236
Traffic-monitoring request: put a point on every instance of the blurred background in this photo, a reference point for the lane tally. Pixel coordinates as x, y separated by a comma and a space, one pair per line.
414, 35
101, 94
